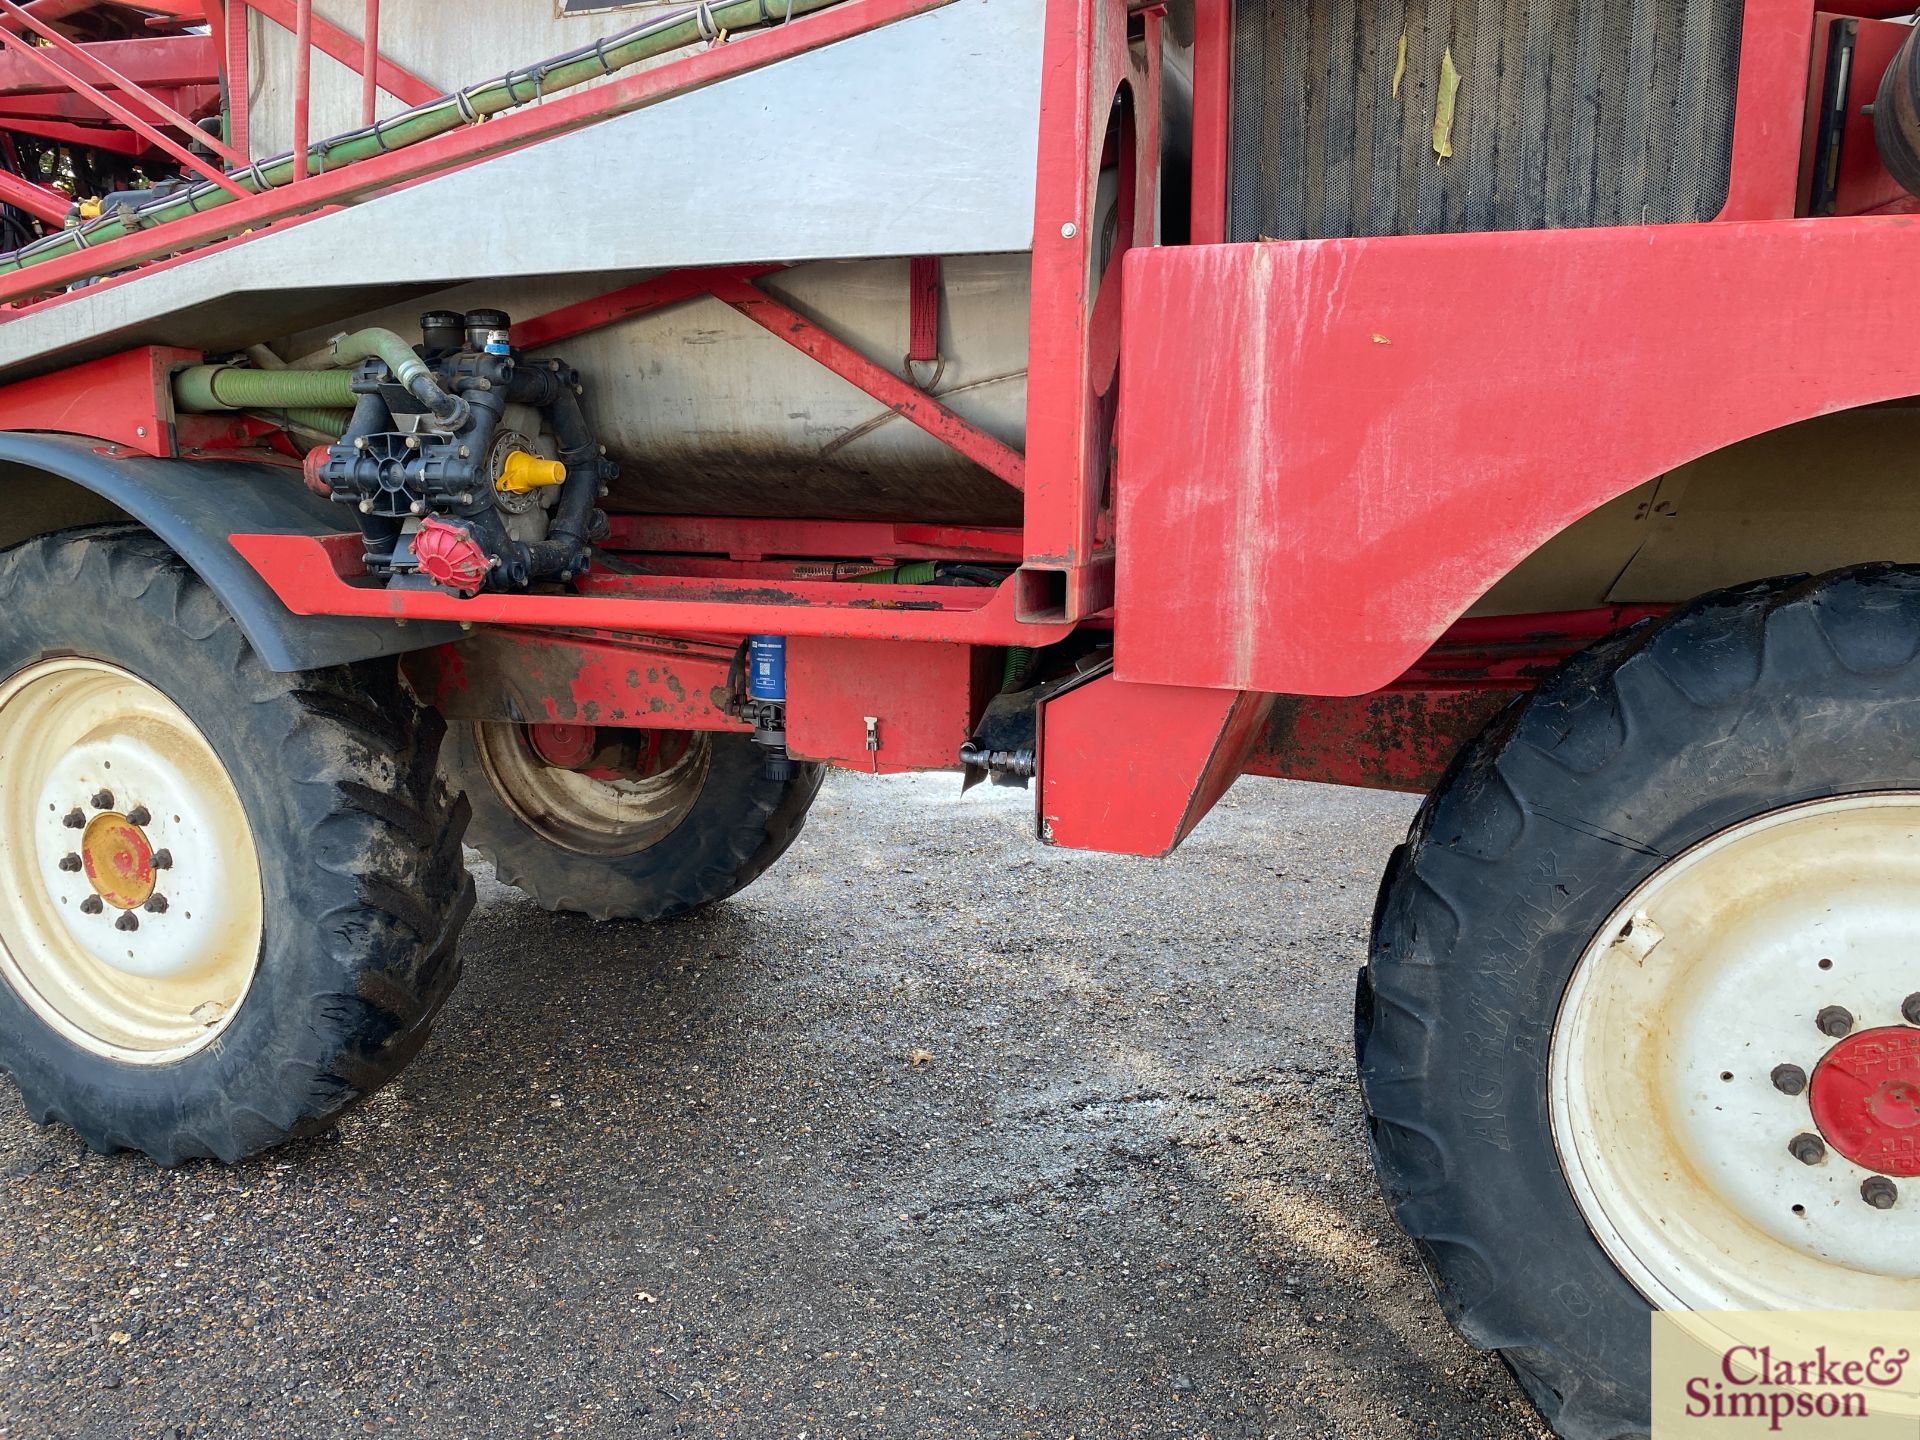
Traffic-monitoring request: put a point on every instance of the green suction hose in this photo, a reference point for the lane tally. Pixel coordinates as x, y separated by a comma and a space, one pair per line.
204, 388
917, 572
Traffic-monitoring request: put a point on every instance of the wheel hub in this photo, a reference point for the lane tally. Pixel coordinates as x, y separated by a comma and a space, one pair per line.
135, 913
595, 791
1865, 1098
1735, 1099
118, 861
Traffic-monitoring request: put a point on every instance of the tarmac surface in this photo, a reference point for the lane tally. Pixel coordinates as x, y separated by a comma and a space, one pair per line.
933, 1132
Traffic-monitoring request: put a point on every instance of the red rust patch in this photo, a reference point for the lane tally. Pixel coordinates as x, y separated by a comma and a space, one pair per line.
1866, 1099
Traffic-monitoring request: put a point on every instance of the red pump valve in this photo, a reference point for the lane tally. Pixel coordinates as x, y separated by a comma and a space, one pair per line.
310, 468
450, 556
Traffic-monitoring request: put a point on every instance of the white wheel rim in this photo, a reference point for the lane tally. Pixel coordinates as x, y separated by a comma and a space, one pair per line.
143, 950
1714, 968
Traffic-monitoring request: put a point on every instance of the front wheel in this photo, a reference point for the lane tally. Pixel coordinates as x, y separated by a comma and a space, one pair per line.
625, 824
1641, 1023
228, 898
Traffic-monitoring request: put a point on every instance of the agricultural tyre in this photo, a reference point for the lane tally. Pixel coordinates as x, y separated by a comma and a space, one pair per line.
1640, 1025
625, 824
228, 897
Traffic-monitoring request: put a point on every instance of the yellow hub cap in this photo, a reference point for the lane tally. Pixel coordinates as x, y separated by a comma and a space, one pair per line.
118, 861
130, 902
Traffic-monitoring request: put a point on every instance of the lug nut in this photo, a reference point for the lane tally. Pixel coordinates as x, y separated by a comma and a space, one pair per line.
103, 799
127, 921
75, 819
1835, 1020
156, 904
163, 860
1910, 1009
70, 863
1879, 1192
140, 815
1808, 1149
1789, 1079
92, 905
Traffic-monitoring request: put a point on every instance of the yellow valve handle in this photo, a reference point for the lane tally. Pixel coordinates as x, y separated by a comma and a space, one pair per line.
524, 472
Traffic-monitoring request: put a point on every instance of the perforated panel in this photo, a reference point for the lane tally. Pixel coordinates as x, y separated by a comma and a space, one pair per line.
1586, 112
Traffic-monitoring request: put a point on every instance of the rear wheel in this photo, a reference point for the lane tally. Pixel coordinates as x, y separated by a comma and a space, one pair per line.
1641, 1023
625, 824
230, 896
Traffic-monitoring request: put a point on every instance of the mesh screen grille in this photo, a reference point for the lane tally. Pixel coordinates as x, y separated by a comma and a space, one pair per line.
1569, 113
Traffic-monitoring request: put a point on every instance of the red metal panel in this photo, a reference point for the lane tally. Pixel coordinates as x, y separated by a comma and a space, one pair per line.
1389, 740
1131, 769
924, 700
37, 200
1070, 395
537, 678
237, 66
673, 288
162, 60
122, 398
302, 86
872, 541
1776, 39
311, 576
1405, 736
120, 142
1369, 433
1212, 83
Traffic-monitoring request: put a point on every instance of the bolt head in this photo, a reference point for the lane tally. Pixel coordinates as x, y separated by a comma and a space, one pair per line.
163, 859
1879, 1192
1807, 1148
1069, 230
71, 863
128, 921
1789, 1079
92, 905
103, 799
75, 819
156, 904
140, 815
1835, 1020
1910, 1009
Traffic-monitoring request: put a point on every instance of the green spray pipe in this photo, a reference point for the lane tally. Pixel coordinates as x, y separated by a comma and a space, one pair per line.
438, 117
918, 572
235, 387
328, 424
1019, 665
238, 387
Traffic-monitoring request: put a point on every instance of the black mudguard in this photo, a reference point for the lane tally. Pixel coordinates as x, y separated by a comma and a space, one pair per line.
194, 505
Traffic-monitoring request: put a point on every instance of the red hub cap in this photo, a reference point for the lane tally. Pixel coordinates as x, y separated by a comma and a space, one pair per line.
1866, 1099
565, 747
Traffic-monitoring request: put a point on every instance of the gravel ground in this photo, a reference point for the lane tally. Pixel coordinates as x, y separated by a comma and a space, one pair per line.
933, 1133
